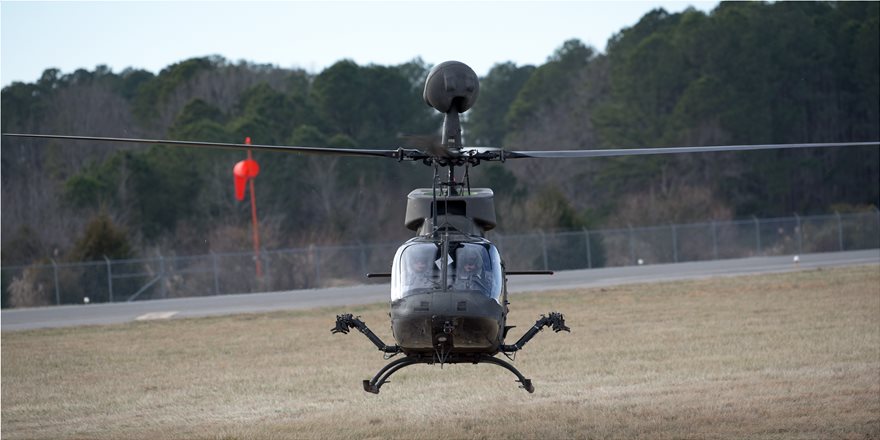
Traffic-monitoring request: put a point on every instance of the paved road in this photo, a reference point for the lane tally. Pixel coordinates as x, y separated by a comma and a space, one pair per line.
73, 315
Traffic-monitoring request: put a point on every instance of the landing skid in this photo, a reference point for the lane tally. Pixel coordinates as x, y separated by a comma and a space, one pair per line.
372, 386
345, 322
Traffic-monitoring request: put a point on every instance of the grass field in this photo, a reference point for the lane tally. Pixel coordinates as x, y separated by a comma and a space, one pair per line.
778, 356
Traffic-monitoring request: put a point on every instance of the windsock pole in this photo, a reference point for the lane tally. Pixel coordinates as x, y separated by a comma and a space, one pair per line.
256, 228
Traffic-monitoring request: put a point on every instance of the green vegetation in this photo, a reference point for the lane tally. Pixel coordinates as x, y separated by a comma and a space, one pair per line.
744, 73
779, 356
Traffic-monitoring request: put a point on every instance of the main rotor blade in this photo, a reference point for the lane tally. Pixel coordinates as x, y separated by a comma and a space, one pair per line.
673, 150
400, 153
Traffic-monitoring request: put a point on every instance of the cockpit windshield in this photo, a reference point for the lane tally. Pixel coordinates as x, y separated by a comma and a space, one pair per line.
418, 268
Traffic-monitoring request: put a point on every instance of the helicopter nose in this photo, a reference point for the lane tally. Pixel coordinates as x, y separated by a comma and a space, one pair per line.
443, 333
461, 320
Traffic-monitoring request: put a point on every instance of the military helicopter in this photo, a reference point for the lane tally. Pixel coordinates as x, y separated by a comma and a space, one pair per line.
449, 299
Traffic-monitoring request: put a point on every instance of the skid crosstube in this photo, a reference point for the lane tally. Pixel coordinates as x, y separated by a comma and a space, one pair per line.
373, 385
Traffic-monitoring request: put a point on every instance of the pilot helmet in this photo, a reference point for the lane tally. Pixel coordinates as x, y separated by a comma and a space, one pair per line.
418, 255
470, 255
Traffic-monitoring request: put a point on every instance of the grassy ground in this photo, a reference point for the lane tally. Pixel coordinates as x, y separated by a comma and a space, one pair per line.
777, 356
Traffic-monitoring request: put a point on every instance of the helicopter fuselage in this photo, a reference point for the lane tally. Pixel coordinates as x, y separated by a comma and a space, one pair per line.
448, 289
448, 295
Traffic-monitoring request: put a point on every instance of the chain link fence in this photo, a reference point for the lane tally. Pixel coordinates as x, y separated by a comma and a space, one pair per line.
325, 266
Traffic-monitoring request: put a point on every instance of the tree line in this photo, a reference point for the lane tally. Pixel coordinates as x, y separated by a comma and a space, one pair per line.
743, 73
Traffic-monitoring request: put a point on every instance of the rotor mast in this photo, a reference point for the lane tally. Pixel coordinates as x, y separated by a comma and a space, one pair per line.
451, 141
451, 88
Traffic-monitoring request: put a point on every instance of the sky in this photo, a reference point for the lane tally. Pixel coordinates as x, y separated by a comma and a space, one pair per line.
69, 35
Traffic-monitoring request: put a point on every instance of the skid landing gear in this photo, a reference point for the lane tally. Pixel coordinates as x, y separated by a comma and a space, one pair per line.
372, 386
443, 355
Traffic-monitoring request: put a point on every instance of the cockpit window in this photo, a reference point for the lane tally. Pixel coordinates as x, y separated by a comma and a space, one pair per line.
470, 267
470, 270
419, 267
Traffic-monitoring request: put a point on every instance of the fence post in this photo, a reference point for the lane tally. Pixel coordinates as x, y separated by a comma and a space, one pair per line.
632, 245
714, 241
57, 289
757, 235
674, 244
877, 210
589, 256
839, 230
363, 257
544, 249
109, 278
216, 273
800, 232
317, 255
162, 275
267, 273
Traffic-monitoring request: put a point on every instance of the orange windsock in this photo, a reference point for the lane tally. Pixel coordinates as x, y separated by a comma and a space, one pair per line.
244, 170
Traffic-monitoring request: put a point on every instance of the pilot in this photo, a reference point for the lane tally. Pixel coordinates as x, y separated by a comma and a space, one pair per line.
470, 274
419, 264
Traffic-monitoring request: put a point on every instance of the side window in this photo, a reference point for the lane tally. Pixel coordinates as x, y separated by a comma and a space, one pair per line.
497, 275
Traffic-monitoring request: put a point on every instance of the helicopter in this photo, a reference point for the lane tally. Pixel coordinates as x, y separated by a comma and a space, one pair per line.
448, 284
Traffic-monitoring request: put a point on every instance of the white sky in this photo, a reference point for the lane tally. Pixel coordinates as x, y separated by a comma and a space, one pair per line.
312, 35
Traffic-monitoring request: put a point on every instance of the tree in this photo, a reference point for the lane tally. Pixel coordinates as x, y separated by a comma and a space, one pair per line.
101, 238
485, 122
548, 82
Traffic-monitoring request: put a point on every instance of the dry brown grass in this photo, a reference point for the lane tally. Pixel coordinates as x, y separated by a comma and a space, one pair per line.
778, 356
